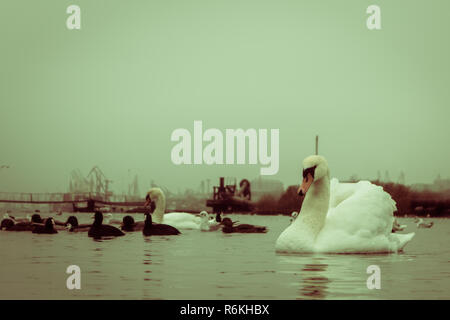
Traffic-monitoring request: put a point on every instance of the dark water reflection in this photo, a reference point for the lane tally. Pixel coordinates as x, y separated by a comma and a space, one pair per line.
313, 284
212, 265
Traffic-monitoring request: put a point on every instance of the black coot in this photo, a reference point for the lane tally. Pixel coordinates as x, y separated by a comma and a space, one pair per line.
128, 224
47, 228
153, 229
98, 229
21, 226
36, 218
73, 226
7, 224
230, 227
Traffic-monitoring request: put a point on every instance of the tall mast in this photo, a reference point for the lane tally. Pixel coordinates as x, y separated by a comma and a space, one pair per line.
317, 144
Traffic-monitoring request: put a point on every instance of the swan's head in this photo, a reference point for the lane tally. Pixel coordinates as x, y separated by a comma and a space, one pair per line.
314, 169
153, 195
204, 215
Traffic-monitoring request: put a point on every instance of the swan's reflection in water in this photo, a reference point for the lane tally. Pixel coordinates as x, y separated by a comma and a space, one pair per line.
309, 273
153, 262
313, 282
332, 276
147, 262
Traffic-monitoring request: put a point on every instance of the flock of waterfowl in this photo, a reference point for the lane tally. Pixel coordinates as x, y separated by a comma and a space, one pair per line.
335, 217
152, 225
98, 229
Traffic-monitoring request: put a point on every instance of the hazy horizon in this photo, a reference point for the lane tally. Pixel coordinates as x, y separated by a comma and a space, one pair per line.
112, 93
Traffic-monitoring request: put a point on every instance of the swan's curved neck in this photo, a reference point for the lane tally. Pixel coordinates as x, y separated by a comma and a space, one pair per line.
204, 221
160, 208
315, 205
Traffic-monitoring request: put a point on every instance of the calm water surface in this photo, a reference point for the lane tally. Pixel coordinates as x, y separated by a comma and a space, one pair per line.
213, 265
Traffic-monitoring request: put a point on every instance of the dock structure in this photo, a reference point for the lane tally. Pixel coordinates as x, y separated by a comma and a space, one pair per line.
225, 199
81, 202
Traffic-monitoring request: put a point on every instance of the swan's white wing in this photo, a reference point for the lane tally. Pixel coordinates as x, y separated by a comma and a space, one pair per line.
359, 219
180, 216
361, 208
182, 220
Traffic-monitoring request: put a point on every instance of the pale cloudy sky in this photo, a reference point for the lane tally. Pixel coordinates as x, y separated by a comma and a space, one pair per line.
111, 93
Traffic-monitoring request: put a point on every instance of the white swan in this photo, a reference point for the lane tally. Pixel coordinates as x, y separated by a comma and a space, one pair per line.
207, 224
179, 220
357, 218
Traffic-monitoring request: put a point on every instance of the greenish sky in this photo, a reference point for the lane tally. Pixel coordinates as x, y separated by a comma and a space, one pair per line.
111, 93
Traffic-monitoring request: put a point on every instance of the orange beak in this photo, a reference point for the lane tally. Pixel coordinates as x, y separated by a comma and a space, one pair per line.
147, 202
307, 182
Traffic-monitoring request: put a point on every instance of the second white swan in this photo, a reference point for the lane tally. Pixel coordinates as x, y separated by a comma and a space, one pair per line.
179, 220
